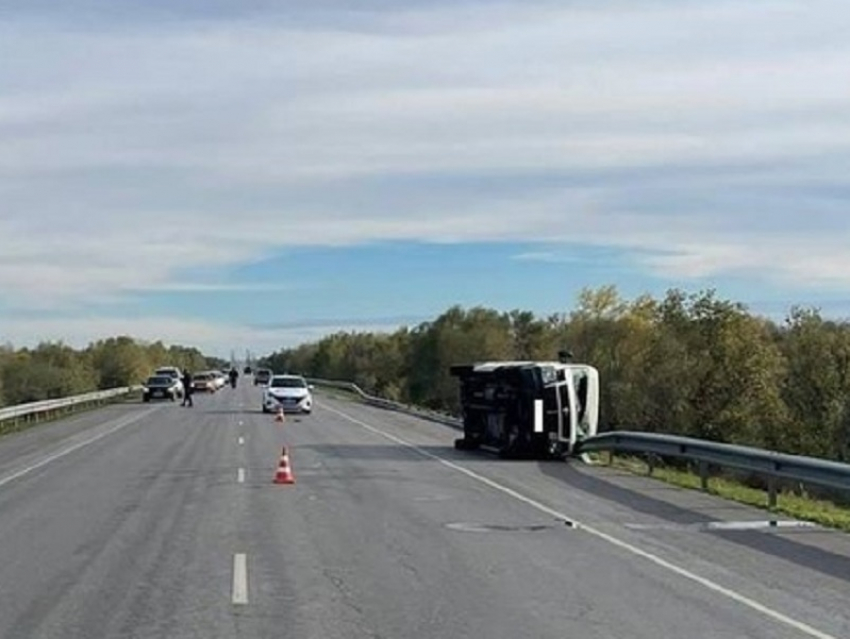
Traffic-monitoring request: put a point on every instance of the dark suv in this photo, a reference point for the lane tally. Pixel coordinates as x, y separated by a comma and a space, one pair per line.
160, 387
262, 376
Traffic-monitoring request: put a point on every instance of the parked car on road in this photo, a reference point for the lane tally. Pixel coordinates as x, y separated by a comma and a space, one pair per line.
173, 372
292, 393
161, 387
220, 379
204, 382
262, 376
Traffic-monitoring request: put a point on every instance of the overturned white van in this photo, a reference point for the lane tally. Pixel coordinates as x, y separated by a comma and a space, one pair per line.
527, 408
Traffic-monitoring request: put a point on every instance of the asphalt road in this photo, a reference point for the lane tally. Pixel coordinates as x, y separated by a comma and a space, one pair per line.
161, 521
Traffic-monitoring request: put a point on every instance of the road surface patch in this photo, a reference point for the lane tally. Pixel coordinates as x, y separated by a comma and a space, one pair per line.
713, 586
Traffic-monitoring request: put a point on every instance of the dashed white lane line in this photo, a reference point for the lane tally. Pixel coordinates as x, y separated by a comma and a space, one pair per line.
70, 449
742, 599
240, 476
241, 441
240, 580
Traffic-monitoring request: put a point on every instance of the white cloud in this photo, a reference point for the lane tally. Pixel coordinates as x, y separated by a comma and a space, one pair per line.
699, 136
200, 287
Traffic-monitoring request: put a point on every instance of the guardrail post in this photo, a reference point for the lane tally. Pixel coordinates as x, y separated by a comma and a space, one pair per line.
771, 493
703, 475
650, 464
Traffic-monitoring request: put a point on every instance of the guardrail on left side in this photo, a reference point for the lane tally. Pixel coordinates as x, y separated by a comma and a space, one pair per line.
416, 411
37, 410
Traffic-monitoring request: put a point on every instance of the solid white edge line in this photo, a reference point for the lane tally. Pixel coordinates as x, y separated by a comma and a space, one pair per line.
240, 475
624, 545
67, 451
239, 595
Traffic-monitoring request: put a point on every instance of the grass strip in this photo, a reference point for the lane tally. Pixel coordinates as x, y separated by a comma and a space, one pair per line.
803, 507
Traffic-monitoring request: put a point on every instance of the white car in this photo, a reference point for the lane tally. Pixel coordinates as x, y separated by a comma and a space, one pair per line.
219, 380
290, 392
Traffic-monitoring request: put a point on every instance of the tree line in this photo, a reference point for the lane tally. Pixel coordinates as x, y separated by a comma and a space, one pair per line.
54, 369
689, 363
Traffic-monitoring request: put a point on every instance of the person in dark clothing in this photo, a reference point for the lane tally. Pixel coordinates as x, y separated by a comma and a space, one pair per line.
187, 388
234, 375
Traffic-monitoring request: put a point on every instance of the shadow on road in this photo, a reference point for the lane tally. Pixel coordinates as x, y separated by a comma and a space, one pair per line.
382, 452
230, 411
829, 563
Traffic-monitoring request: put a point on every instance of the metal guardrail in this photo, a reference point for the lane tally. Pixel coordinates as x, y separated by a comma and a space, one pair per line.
773, 465
769, 464
380, 402
36, 410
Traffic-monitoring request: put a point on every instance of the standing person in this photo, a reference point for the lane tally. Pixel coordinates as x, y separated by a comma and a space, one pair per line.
234, 375
187, 388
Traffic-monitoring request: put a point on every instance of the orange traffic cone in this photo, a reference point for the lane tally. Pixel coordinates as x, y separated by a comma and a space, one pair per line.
284, 472
279, 417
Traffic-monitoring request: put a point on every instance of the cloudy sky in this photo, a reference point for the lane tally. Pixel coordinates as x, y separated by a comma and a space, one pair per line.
255, 173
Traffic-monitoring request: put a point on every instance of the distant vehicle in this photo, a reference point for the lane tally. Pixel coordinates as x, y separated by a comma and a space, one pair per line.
290, 392
173, 372
262, 376
247, 370
204, 382
220, 379
161, 387
519, 409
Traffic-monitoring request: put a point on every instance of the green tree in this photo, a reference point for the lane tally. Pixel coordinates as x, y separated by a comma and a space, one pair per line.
688, 363
119, 361
53, 369
816, 387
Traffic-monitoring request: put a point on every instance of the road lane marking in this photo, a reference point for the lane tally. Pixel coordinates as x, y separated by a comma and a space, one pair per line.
239, 594
733, 526
624, 545
70, 449
241, 441
240, 475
